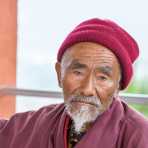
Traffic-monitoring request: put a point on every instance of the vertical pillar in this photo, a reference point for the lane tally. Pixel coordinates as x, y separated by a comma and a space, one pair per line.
8, 39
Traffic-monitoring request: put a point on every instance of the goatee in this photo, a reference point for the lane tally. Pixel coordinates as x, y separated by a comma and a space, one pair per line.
87, 112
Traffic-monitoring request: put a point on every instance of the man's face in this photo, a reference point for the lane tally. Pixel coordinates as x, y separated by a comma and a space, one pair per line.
89, 75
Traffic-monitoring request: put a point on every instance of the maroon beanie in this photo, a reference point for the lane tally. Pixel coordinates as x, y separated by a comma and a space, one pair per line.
110, 35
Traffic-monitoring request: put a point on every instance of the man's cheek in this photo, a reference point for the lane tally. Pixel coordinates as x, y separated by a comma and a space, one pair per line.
68, 88
103, 95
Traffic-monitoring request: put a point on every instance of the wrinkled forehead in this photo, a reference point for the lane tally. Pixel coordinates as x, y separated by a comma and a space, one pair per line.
89, 52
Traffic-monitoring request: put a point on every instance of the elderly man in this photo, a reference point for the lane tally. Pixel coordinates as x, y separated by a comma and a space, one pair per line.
93, 64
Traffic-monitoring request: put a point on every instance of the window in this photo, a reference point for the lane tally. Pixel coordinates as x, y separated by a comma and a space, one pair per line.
43, 25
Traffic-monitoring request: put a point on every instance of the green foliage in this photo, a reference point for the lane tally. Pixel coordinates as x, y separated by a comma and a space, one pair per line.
141, 108
138, 86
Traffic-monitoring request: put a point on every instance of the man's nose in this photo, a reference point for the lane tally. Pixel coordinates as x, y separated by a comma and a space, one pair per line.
87, 87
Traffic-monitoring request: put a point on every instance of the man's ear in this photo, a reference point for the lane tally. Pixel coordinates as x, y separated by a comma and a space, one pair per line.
58, 70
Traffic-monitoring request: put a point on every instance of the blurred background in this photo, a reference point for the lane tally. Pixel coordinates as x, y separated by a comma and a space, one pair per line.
42, 25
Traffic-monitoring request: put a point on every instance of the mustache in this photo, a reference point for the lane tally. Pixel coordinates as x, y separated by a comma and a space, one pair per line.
93, 100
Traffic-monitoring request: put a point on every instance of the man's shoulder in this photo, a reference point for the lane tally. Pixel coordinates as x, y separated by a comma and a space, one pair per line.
43, 110
134, 118
48, 108
133, 128
3, 122
23, 118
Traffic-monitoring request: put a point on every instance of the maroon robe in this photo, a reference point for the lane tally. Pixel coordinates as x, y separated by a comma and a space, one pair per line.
118, 127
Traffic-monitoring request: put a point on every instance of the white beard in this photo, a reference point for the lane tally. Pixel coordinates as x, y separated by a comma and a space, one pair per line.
82, 116
85, 114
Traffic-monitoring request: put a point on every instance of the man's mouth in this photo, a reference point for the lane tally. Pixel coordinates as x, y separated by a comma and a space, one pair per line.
84, 102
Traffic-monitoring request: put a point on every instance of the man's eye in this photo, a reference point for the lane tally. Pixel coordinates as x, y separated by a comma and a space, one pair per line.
77, 72
101, 78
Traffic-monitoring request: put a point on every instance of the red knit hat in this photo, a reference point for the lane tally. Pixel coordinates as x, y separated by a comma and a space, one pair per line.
110, 35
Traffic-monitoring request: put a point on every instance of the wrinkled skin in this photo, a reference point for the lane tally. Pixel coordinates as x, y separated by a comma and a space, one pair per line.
89, 69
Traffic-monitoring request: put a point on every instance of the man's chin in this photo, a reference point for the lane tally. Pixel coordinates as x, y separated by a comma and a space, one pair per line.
82, 113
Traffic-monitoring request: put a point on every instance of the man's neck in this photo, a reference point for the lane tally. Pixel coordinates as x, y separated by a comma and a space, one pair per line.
75, 136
